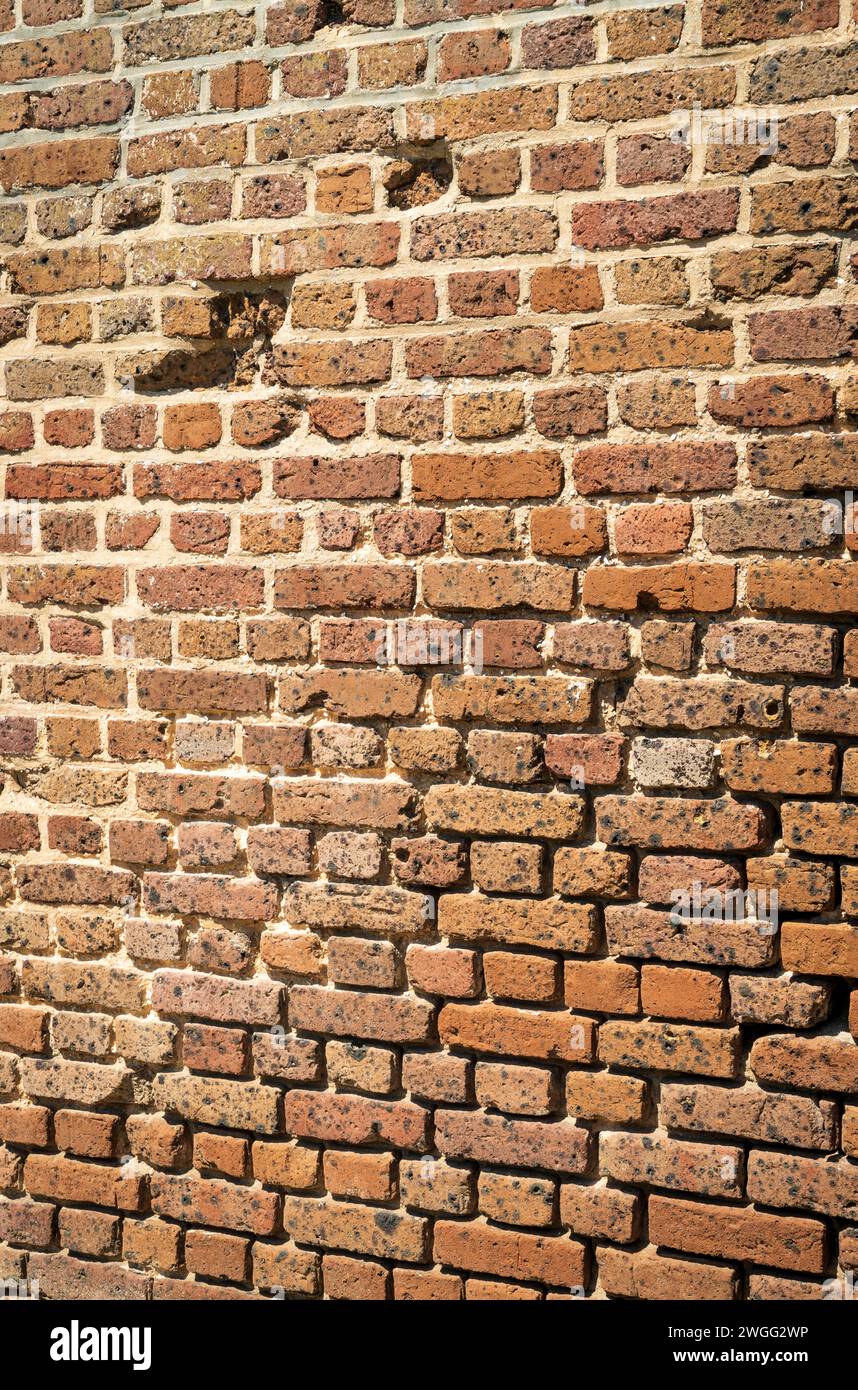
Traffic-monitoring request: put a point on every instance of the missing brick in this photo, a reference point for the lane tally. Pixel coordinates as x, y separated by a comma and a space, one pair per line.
413, 180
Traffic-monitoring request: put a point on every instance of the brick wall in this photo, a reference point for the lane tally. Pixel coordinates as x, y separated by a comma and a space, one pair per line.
428, 443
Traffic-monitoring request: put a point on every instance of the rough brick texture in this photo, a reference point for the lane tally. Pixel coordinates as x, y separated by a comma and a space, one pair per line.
428, 541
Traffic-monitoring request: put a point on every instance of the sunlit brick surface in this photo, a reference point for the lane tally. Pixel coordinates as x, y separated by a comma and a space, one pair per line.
428, 835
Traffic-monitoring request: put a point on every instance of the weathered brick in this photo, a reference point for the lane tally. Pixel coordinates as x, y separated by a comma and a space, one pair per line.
670, 1047
641, 346
208, 996
352, 1227
214, 1203
825, 1064
332, 794
209, 895
84, 1082
455, 477
644, 933
643, 95
469, 116
790, 1003
750, 1113
229, 1104
323, 132
651, 1276
491, 1250
677, 823
781, 1241
713, 1170
678, 217
355, 1119
492, 1028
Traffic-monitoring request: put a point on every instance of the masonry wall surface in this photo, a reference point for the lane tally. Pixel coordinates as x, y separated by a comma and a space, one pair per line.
428, 443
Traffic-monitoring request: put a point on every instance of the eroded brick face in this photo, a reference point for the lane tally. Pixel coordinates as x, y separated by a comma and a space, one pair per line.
426, 636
